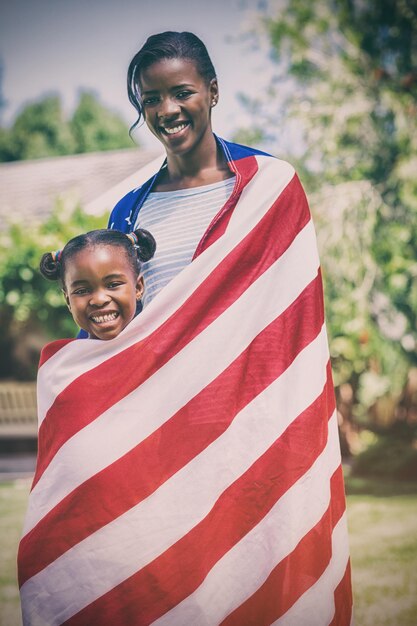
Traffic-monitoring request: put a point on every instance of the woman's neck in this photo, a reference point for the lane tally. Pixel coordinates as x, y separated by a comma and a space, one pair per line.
202, 166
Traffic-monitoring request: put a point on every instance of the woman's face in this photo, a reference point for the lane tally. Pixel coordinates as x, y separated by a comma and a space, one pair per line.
177, 102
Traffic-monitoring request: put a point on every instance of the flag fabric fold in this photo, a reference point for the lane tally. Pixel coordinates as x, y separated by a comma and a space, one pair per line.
189, 470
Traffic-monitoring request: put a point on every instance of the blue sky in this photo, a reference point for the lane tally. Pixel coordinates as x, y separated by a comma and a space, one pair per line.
66, 45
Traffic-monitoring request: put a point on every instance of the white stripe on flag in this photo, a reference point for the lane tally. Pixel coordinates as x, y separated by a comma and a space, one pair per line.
220, 345
256, 555
79, 357
127, 544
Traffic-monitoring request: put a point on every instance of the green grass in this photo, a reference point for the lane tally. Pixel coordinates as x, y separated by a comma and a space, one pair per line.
383, 538
13, 500
383, 543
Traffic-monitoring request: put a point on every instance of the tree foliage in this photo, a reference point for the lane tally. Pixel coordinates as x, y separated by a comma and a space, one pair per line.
348, 69
42, 130
96, 128
38, 131
33, 309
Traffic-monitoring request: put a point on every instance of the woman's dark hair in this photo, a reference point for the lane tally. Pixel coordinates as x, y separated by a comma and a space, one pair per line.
52, 264
168, 45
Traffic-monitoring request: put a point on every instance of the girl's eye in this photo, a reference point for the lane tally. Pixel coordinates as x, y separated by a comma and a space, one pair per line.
113, 285
81, 291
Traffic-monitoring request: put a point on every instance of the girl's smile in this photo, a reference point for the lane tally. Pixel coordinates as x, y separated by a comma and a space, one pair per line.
102, 290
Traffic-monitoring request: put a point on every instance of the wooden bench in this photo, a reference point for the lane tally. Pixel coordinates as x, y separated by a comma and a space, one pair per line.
18, 413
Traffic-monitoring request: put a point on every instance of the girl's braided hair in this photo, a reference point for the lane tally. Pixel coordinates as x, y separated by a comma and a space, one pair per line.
139, 246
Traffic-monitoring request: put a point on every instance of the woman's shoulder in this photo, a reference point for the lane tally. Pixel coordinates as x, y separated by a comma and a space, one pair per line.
121, 216
123, 209
267, 163
237, 151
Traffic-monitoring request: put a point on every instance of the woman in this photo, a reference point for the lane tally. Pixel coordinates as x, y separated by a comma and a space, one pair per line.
199, 479
172, 84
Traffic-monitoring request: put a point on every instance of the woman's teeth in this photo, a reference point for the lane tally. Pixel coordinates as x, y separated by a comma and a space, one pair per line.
175, 129
104, 318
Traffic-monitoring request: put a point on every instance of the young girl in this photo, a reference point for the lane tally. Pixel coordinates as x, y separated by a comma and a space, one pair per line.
100, 274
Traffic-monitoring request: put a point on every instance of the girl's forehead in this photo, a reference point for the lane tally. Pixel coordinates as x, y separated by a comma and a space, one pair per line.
100, 254
95, 263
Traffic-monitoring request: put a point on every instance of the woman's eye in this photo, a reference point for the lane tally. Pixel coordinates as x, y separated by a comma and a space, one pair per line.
149, 101
183, 94
114, 285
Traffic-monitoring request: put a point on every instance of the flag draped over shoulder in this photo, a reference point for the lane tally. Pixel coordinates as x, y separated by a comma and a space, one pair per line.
189, 470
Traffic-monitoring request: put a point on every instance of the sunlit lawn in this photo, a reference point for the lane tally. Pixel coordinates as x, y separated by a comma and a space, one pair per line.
383, 538
383, 542
13, 498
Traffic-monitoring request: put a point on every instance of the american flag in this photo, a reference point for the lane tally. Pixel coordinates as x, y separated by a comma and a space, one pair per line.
189, 470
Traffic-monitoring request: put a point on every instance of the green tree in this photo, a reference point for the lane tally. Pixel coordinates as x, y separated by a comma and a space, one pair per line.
42, 130
94, 127
39, 130
348, 72
33, 309
2, 100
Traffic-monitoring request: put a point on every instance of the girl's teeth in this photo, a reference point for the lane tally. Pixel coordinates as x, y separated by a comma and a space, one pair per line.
105, 318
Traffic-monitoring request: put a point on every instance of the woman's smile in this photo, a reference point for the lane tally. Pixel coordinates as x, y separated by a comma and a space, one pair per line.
175, 130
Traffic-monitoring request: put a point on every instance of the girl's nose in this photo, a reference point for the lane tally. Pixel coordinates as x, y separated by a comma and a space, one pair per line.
99, 298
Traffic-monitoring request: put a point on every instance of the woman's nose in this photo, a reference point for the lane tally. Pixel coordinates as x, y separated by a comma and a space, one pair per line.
168, 108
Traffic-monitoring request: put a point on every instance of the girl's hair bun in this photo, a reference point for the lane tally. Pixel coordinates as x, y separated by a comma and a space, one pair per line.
146, 244
49, 267
139, 245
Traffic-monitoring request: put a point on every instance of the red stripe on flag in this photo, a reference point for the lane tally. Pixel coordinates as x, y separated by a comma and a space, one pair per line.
343, 600
245, 169
107, 383
176, 573
92, 505
52, 348
309, 560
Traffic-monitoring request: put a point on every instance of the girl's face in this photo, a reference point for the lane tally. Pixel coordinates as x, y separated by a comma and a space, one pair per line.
101, 290
177, 104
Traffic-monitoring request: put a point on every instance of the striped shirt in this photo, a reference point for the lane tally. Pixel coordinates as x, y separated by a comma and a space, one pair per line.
178, 220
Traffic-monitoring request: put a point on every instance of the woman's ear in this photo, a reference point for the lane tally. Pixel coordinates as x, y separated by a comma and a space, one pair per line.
66, 299
214, 92
140, 288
